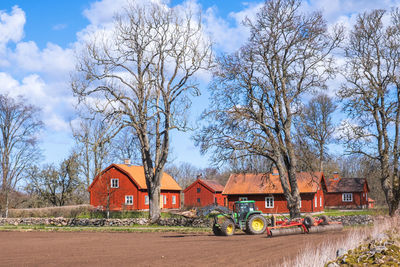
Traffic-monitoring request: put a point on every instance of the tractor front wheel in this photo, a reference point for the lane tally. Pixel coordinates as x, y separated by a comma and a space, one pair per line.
216, 230
227, 228
256, 225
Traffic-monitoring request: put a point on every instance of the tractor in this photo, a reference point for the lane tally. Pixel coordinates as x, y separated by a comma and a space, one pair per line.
244, 216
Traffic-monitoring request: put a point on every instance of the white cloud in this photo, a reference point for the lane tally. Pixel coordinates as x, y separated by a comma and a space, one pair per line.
11, 25
59, 27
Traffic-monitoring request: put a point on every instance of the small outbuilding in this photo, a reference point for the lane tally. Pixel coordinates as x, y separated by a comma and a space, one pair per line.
123, 187
204, 192
351, 193
266, 190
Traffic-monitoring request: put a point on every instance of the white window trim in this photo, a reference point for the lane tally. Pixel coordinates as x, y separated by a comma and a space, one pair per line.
128, 203
347, 197
146, 200
112, 183
315, 202
173, 200
300, 202
320, 201
267, 202
164, 199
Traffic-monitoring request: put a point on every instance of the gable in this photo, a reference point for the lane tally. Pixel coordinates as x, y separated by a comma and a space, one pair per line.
136, 175
211, 185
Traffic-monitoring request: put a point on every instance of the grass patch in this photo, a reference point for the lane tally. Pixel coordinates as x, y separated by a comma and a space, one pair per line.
135, 228
372, 212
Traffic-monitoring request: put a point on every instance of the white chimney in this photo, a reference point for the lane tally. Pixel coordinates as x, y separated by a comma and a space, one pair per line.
127, 161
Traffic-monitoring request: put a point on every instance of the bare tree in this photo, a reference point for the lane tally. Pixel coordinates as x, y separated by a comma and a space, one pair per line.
256, 91
372, 96
142, 76
55, 185
126, 145
19, 126
93, 137
315, 124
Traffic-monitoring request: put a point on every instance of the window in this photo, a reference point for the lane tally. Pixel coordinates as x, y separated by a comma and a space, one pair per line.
114, 183
347, 197
173, 200
300, 203
320, 201
198, 190
269, 202
243, 198
165, 199
315, 201
225, 202
146, 200
198, 200
128, 200
366, 197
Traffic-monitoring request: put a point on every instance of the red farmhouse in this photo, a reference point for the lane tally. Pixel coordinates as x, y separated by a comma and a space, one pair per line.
266, 190
123, 187
346, 192
204, 192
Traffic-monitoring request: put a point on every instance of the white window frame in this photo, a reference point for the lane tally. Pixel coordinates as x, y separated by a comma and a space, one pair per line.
320, 201
269, 202
173, 200
129, 200
347, 197
164, 199
243, 199
300, 202
112, 183
315, 202
146, 200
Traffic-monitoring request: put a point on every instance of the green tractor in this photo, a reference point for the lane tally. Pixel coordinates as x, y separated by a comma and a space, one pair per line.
245, 216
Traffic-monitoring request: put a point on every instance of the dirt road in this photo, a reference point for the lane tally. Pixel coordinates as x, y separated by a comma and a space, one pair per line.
150, 249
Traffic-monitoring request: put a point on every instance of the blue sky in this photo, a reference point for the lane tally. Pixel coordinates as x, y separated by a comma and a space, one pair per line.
38, 39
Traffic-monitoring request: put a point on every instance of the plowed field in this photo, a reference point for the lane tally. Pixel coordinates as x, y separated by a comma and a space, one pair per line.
150, 249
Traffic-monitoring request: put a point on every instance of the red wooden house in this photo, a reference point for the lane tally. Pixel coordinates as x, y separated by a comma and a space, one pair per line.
204, 192
266, 190
346, 192
123, 187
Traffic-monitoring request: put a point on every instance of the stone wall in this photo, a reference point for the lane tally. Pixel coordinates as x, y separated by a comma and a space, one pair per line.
189, 222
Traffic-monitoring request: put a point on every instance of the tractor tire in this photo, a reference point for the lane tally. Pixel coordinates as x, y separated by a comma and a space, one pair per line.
308, 221
227, 228
325, 220
256, 225
216, 230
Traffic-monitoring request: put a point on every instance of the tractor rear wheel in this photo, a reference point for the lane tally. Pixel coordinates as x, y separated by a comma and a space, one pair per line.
227, 228
216, 230
256, 225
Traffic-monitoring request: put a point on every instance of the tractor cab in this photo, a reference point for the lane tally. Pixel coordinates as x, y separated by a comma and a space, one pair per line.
242, 209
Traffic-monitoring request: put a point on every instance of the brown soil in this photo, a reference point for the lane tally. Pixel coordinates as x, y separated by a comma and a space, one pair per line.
150, 249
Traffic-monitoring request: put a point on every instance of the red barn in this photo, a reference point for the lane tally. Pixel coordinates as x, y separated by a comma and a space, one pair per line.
266, 190
346, 192
204, 192
123, 187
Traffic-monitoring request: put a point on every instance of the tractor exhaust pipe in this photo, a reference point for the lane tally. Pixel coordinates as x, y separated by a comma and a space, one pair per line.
324, 228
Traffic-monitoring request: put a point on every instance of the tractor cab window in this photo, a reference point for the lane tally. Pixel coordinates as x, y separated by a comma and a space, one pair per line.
244, 207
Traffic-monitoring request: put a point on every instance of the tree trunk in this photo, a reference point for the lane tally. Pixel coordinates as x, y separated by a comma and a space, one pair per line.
7, 204
154, 197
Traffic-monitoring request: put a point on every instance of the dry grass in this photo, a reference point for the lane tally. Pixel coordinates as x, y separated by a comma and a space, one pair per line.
48, 212
313, 256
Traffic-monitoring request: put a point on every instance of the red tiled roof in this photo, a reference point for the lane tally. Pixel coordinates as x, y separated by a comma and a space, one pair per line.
136, 173
346, 185
213, 184
268, 183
